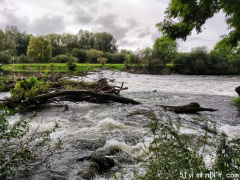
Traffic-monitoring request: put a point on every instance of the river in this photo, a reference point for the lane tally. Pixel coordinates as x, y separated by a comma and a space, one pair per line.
87, 127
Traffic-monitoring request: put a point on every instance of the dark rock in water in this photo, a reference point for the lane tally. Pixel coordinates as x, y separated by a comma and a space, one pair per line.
154, 91
89, 172
104, 163
115, 169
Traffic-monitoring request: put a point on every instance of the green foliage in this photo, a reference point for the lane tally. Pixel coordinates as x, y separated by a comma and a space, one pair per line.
226, 50
70, 64
102, 60
105, 42
60, 59
82, 56
166, 48
27, 89
227, 156
5, 58
171, 154
40, 49
236, 102
130, 59
192, 14
93, 55
20, 148
24, 59
200, 62
74, 52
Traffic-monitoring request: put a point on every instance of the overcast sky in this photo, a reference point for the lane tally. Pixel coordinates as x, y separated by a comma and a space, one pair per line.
132, 22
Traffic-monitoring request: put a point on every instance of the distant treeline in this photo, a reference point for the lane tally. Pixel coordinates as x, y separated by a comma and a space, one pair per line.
86, 46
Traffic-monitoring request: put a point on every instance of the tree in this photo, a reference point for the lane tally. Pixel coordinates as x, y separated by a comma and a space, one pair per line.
223, 49
192, 14
166, 48
40, 49
22, 42
93, 55
58, 46
74, 52
82, 56
102, 60
105, 42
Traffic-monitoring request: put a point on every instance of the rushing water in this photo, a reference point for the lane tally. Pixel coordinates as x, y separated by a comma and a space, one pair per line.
86, 127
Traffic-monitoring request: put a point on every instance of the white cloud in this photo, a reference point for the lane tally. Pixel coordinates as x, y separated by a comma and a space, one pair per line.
131, 22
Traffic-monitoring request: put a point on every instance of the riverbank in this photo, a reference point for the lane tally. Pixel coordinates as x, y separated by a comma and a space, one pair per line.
60, 67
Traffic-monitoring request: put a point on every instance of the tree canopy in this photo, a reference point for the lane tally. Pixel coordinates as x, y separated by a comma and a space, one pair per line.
166, 48
182, 16
40, 49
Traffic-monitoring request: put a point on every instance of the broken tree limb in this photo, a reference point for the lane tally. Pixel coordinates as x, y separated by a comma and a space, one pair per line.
92, 94
193, 107
238, 90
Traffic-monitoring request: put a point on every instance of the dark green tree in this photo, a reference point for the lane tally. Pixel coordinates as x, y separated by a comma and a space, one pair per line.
166, 48
182, 16
82, 56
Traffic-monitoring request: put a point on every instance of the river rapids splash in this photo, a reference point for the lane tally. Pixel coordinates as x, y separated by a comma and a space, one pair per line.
86, 127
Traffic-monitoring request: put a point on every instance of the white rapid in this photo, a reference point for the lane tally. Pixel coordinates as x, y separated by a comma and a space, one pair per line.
87, 127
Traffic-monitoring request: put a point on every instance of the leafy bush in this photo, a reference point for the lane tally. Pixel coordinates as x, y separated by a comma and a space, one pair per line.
170, 154
5, 58
236, 102
70, 64
82, 56
60, 59
20, 148
200, 62
102, 60
28, 89
24, 59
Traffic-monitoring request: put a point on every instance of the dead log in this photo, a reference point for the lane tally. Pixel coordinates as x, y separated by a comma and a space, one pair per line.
238, 90
193, 108
84, 93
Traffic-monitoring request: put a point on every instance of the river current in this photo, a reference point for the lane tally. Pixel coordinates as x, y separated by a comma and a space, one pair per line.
87, 127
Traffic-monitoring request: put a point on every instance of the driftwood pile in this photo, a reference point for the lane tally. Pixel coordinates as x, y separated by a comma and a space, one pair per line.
60, 90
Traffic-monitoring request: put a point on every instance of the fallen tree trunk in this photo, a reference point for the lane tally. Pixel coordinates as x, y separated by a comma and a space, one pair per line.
238, 90
189, 108
83, 93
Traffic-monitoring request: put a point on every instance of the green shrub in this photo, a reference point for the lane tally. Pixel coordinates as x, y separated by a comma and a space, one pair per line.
27, 89
70, 64
102, 60
170, 154
5, 58
60, 59
236, 102
200, 62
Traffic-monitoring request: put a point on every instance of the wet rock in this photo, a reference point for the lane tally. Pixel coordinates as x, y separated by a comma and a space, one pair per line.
104, 163
89, 172
154, 91
115, 169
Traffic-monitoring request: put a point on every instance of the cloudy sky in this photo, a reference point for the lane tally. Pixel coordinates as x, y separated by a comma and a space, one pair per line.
132, 22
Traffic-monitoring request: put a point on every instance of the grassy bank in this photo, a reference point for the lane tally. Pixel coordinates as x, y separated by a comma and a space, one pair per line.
61, 67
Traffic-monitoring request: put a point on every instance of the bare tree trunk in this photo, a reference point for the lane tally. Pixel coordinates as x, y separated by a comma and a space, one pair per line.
83, 93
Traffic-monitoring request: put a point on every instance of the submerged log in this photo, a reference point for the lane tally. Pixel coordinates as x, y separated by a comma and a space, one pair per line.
238, 90
193, 108
89, 94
